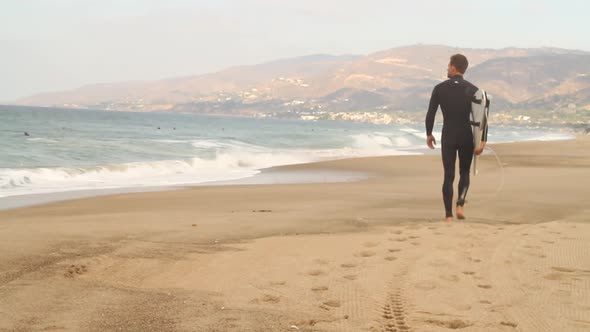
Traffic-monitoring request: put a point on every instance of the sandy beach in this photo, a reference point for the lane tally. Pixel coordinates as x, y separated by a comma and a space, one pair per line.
371, 255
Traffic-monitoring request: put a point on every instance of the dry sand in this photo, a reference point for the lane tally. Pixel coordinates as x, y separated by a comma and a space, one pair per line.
372, 255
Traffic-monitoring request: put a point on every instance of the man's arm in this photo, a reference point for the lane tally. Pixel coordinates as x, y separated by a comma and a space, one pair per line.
484, 137
430, 115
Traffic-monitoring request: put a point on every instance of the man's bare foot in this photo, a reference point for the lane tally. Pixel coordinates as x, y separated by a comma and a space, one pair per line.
460, 214
449, 219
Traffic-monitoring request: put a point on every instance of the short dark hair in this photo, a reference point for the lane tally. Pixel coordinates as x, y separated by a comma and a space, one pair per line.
460, 62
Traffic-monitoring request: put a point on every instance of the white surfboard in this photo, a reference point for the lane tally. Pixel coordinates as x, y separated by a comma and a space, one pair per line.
480, 110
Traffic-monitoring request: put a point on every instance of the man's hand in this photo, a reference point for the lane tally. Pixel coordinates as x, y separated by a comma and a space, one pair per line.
479, 149
430, 141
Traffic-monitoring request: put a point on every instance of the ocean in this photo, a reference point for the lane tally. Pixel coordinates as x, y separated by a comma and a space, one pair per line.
70, 150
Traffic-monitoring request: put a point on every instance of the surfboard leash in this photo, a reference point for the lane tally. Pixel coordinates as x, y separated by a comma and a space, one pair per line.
502, 175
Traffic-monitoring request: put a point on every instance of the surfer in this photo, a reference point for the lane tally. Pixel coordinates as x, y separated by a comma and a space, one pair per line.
454, 97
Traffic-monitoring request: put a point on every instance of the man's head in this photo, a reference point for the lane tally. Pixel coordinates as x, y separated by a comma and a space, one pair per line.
457, 66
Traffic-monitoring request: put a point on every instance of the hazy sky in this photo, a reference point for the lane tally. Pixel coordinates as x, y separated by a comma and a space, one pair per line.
51, 45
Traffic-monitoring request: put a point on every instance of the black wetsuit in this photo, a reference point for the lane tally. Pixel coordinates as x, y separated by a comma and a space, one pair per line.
454, 97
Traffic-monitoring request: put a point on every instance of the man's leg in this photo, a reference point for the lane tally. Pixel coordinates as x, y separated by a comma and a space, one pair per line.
449, 157
465, 158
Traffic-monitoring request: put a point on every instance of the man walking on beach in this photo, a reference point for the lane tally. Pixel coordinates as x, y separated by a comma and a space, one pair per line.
454, 97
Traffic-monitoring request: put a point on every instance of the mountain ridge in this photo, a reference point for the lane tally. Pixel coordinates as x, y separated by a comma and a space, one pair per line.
399, 78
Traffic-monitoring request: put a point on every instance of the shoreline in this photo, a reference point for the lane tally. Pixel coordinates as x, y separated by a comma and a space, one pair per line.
284, 174
267, 176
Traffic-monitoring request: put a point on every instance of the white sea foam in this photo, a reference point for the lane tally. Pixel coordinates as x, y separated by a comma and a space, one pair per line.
139, 174
230, 160
41, 139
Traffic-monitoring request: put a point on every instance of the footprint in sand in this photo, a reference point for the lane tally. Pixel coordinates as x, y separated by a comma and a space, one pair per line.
320, 261
366, 254
370, 244
484, 286
414, 237
267, 298
468, 273
396, 232
390, 258
485, 302
278, 283
452, 324
451, 278
330, 304
394, 250
316, 273
271, 298
401, 239
510, 324
460, 306
350, 277
415, 243
76, 270
348, 265
320, 289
